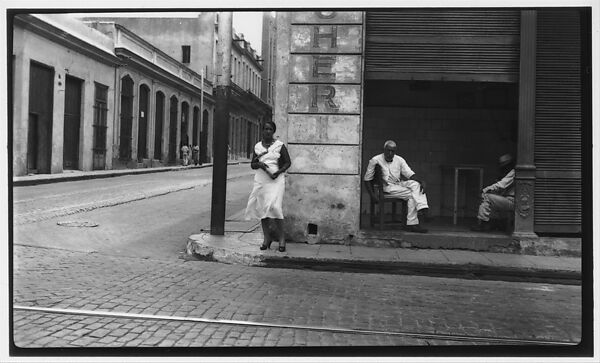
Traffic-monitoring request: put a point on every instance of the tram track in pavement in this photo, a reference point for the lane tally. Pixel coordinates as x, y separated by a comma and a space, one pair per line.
474, 339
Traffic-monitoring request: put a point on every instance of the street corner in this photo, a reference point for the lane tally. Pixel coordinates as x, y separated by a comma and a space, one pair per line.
231, 248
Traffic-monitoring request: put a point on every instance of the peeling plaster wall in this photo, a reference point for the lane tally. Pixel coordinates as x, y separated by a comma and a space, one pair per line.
319, 97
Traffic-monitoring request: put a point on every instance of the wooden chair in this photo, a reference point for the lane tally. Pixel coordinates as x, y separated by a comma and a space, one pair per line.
384, 199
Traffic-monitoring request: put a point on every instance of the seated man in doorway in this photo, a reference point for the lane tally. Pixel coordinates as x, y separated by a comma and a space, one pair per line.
393, 167
498, 197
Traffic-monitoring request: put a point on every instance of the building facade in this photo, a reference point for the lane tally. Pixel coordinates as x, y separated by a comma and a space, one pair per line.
248, 110
193, 41
461, 88
97, 96
64, 96
269, 50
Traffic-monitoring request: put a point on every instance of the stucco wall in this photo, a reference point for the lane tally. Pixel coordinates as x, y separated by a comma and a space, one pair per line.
318, 99
29, 47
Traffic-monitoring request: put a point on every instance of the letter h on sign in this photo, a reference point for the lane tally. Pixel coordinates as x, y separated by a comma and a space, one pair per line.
317, 36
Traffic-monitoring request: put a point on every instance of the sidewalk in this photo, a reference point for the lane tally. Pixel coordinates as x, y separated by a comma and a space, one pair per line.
242, 247
72, 175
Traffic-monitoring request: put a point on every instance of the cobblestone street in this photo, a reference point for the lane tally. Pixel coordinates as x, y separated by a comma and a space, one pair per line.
124, 283
52, 278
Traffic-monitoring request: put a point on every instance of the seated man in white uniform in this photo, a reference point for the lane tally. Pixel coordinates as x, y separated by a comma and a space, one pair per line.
393, 167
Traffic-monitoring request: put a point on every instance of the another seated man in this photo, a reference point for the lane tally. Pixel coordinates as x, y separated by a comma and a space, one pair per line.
498, 197
393, 167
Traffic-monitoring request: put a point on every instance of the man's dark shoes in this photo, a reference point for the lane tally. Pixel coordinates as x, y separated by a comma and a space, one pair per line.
423, 215
415, 229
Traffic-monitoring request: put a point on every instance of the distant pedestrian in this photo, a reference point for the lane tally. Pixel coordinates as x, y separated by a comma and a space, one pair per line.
185, 154
270, 160
196, 154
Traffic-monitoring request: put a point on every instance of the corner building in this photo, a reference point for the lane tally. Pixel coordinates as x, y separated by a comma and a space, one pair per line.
452, 87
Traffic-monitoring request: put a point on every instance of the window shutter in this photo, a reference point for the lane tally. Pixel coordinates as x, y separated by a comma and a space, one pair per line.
558, 122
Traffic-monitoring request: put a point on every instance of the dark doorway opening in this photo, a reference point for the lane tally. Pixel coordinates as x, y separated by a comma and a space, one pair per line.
158, 126
39, 133
173, 130
196, 126
142, 150
204, 138
438, 125
72, 123
126, 118
185, 116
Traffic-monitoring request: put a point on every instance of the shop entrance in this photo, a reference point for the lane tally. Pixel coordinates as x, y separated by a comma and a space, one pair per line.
446, 91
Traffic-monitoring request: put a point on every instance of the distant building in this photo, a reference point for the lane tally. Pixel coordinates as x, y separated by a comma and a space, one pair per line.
248, 110
193, 41
269, 50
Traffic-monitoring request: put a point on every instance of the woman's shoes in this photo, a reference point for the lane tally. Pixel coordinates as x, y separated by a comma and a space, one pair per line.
267, 246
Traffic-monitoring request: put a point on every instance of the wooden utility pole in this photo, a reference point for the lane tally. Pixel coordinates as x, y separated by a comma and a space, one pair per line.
221, 124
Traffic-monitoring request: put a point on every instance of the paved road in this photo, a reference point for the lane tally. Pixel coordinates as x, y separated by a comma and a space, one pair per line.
148, 215
130, 264
52, 278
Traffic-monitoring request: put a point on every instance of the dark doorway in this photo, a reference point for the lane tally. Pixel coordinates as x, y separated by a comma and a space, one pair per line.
142, 151
126, 118
173, 130
158, 126
204, 138
195, 126
39, 134
248, 139
185, 115
72, 123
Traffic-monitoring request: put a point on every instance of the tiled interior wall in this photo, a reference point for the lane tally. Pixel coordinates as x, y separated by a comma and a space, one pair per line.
430, 137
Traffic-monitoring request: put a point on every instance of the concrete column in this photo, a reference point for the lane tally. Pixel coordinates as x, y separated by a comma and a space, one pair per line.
151, 120
525, 169
135, 122
20, 114
58, 116
86, 122
281, 65
178, 129
110, 118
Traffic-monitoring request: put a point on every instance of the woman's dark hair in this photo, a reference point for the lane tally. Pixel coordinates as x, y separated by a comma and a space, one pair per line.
270, 123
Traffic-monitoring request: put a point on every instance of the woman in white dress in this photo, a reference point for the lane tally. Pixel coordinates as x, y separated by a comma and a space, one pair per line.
270, 160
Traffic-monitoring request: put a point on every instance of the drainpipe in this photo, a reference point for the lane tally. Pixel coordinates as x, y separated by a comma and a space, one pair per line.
221, 125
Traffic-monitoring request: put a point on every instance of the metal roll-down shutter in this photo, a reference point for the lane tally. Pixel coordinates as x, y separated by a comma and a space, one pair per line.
558, 122
443, 44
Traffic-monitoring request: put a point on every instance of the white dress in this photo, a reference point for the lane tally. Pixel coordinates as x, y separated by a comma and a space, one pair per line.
266, 199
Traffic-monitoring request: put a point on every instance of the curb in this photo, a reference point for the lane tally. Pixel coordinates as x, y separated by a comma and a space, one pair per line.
463, 271
58, 178
201, 252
